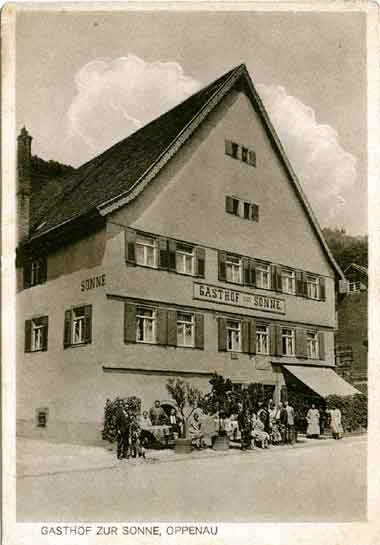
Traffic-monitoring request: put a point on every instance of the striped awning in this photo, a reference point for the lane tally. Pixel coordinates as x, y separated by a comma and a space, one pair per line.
324, 381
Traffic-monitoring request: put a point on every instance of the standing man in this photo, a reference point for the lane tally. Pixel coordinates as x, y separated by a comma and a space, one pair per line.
157, 414
290, 425
283, 419
122, 430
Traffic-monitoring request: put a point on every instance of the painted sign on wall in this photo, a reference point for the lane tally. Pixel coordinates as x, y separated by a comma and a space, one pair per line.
228, 296
93, 282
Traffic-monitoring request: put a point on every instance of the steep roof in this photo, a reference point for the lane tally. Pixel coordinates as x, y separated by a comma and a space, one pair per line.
118, 175
363, 271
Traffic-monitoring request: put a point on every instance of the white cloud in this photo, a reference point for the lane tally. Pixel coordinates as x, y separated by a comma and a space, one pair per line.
326, 171
116, 97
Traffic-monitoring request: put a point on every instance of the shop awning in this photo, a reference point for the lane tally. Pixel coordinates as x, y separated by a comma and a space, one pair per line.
322, 380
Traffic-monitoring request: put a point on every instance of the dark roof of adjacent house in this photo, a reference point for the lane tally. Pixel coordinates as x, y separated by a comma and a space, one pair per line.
115, 177
359, 268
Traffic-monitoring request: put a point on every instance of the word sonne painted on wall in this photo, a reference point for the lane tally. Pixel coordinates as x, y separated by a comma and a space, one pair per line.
93, 282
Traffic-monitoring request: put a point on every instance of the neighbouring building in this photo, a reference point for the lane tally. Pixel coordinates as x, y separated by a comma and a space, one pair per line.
351, 350
187, 248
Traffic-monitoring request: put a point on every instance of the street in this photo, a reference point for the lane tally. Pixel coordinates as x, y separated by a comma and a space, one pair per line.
322, 481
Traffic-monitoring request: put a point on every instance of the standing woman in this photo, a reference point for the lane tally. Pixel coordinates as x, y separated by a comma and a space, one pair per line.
313, 429
336, 423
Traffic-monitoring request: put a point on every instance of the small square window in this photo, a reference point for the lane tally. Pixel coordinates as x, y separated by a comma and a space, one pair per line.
247, 209
42, 417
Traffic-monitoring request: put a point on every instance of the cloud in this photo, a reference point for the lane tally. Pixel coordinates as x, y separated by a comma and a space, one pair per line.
325, 170
116, 97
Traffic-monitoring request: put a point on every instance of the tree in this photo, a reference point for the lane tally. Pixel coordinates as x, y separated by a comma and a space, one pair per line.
347, 249
186, 397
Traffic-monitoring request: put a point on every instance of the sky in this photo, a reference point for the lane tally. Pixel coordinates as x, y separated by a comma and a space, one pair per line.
85, 80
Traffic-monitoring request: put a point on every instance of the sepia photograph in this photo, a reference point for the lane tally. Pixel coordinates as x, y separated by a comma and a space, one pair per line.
190, 267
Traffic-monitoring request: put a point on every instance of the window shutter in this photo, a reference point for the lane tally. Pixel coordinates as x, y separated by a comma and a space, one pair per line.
245, 336
162, 326
229, 205
252, 337
252, 158
278, 279
129, 323
45, 323
279, 340
199, 331
28, 335
255, 212
304, 283
163, 253
67, 329
252, 272
27, 273
200, 262
228, 147
299, 283
43, 269
273, 277
246, 271
301, 348
222, 256
322, 289
272, 340
321, 345
87, 324
172, 328
171, 255
130, 248
222, 334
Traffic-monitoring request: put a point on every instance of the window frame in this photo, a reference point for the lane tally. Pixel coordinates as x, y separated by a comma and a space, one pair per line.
145, 318
286, 276
237, 328
230, 264
80, 319
286, 337
312, 342
181, 252
260, 334
354, 287
312, 281
183, 323
142, 241
263, 268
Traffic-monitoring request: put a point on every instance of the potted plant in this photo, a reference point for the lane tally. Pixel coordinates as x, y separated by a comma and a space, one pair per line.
220, 397
186, 397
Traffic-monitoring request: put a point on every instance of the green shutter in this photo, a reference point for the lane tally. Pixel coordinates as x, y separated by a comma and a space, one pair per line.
163, 253
252, 158
255, 212
28, 335
279, 340
222, 334
252, 272
229, 205
130, 246
322, 289
222, 256
321, 345
245, 336
200, 262
199, 331
45, 332
278, 279
162, 326
129, 323
299, 283
172, 265
88, 324
273, 274
67, 329
228, 147
272, 340
252, 337
172, 328
301, 345
304, 284
246, 271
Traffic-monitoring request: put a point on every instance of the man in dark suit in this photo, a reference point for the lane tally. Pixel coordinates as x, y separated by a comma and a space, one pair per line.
122, 429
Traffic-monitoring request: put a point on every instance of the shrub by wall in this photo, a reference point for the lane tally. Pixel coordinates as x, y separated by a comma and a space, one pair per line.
354, 410
131, 404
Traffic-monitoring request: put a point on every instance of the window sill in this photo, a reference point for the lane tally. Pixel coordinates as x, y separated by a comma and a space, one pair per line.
34, 351
74, 345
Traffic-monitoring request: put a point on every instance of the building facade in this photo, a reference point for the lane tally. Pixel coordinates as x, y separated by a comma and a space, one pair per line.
185, 249
351, 351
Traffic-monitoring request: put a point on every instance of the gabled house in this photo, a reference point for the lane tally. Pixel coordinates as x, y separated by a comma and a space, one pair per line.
187, 248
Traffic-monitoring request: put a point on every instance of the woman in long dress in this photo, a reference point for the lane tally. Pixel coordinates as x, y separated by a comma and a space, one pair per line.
336, 423
313, 429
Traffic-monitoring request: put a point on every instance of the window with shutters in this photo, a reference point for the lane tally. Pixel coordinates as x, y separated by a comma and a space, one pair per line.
233, 269
288, 281
312, 287
35, 272
36, 334
146, 251
263, 276
78, 326
184, 259
262, 339
233, 336
353, 286
145, 325
312, 345
288, 341
185, 329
